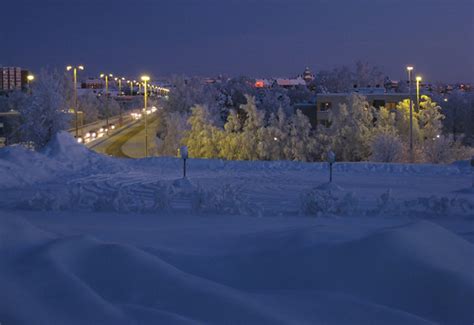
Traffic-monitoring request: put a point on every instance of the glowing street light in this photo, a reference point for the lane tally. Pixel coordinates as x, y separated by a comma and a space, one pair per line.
418, 80
145, 79
130, 84
119, 80
74, 69
410, 69
29, 79
106, 77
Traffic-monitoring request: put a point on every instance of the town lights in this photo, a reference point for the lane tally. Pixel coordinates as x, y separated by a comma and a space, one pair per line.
75, 68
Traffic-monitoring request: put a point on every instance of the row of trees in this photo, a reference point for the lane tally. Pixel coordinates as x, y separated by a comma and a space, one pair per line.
357, 132
44, 109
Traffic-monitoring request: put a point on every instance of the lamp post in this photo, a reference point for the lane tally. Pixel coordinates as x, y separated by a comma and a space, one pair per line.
74, 69
410, 69
119, 81
130, 84
145, 79
106, 77
418, 80
29, 79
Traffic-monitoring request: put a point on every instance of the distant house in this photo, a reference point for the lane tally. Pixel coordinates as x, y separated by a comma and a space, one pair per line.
290, 83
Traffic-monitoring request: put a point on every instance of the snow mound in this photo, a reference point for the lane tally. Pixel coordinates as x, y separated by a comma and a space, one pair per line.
419, 268
112, 284
328, 199
20, 167
64, 148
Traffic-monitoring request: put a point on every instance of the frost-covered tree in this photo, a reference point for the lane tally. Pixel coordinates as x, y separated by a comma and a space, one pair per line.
89, 105
386, 147
252, 130
203, 138
458, 109
275, 137
366, 75
187, 93
269, 100
231, 143
343, 78
402, 122
170, 132
352, 127
45, 112
301, 144
429, 118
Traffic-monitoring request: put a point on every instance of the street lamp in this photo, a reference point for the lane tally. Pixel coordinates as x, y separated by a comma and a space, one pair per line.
119, 80
29, 79
74, 69
410, 69
130, 84
418, 80
106, 77
145, 79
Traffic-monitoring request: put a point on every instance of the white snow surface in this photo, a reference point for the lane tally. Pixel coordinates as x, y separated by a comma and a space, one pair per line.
88, 239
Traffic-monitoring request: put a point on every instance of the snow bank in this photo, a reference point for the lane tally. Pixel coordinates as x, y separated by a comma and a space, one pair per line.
20, 167
417, 273
329, 199
419, 268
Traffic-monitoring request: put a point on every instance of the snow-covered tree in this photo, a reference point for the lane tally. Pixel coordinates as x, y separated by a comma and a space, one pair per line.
301, 145
386, 147
203, 138
89, 105
352, 127
170, 133
402, 122
343, 78
458, 109
429, 118
269, 100
231, 143
274, 137
45, 112
252, 130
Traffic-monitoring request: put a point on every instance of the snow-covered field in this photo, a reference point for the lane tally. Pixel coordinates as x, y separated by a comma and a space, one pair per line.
88, 239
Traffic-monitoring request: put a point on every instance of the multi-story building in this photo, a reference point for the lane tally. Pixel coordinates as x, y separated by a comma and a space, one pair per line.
318, 111
12, 78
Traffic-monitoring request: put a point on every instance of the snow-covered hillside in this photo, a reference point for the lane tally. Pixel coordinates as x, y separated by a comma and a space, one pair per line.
89, 239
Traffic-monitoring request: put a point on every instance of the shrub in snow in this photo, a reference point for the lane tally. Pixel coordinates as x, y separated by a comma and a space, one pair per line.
227, 200
327, 202
439, 206
386, 205
386, 147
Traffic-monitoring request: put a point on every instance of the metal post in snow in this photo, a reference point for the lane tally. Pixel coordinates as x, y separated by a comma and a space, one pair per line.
331, 160
472, 171
184, 155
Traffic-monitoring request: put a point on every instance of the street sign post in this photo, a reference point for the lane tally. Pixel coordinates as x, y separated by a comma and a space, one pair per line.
184, 155
472, 170
331, 161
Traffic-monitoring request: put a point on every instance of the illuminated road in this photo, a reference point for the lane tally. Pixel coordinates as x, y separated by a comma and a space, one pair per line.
130, 136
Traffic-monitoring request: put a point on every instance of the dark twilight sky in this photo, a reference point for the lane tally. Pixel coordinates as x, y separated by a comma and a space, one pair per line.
234, 37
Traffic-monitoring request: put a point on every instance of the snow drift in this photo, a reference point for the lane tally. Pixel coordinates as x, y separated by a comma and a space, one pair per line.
416, 273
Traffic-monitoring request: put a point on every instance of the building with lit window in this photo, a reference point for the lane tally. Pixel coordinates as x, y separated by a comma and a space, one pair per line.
12, 78
318, 111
